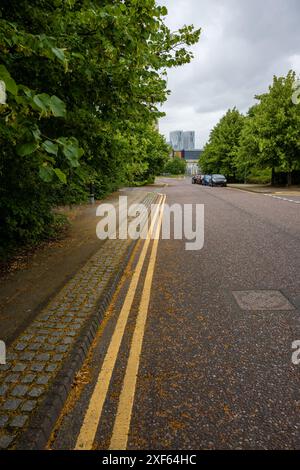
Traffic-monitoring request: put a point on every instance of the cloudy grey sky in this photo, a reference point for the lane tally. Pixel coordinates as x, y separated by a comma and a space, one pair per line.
243, 44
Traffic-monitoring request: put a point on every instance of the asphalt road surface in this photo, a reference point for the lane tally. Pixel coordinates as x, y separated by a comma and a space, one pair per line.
209, 335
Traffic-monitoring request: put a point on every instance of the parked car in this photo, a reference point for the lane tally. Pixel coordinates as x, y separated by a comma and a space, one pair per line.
197, 179
206, 180
218, 180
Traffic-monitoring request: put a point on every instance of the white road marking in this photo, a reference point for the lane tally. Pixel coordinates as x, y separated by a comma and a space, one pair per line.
282, 198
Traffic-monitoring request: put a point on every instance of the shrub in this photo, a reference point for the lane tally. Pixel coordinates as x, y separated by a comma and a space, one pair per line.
175, 166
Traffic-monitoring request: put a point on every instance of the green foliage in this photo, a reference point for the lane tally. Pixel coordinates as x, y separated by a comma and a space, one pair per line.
259, 176
270, 138
220, 152
249, 148
83, 81
175, 166
58, 227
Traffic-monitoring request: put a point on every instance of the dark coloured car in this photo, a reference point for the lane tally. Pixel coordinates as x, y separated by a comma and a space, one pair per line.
218, 180
206, 180
197, 179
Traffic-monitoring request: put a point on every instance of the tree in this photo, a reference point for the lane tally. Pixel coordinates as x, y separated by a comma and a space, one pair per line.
248, 149
219, 155
175, 166
83, 81
278, 123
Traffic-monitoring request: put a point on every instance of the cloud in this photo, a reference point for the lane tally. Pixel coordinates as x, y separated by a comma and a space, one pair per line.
243, 44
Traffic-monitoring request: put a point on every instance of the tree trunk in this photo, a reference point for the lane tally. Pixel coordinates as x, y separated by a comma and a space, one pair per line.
273, 177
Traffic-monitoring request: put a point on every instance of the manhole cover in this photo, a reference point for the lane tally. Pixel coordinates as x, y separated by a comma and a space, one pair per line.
262, 300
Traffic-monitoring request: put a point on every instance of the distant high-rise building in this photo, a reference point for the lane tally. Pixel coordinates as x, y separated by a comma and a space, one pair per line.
176, 138
189, 140
182, 140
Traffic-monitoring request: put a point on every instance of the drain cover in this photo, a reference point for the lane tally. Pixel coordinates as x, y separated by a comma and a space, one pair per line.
262, 300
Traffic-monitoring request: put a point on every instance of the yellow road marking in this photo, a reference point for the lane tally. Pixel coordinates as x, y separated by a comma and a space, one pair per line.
91, 420
287, 193
124, 412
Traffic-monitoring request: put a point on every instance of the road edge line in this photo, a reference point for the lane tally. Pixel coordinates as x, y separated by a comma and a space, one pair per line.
122, 421
93, 414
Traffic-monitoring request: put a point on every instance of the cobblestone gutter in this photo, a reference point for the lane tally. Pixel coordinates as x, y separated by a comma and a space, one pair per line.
42, 362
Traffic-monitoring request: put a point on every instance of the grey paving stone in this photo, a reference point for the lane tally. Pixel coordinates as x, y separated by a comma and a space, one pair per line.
59, 315
28, 356
5, 441
12, 404
43, 357
37, 367
21, 346
63, 326
57, 357
43, 332
71, 333
34, 346
3, 420
4, 367
51, 367
11, 357
35, 392
68, 340
48, 347
71, 317
20, 391
57, 333
19, 367
61, 349
18, 421
12, 378
28, 378
26, 337
3, 390
53, 340
43, 379
29, 405
40, 339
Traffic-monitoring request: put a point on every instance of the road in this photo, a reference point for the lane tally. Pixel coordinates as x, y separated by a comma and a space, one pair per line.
208, 332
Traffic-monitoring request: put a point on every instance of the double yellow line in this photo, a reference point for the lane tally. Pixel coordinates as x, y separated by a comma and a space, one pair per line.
121, 427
